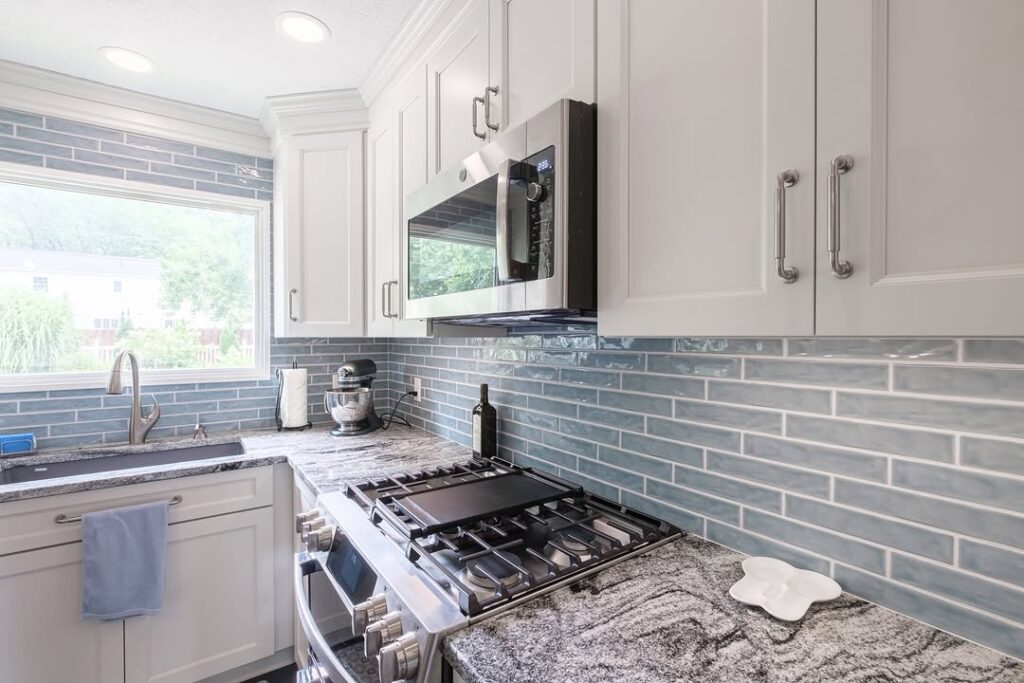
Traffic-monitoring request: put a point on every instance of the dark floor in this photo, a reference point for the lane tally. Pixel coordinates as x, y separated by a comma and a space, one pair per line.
283, 675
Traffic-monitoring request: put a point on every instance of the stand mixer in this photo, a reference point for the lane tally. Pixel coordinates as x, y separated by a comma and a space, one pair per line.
350, 404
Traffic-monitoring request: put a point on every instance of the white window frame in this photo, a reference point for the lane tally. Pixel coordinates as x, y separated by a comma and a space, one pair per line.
127, 189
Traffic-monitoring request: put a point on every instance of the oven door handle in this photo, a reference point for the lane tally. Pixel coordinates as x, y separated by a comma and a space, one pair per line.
503, 252
305, 565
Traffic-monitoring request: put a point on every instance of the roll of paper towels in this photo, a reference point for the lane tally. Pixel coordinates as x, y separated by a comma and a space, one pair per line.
292, 401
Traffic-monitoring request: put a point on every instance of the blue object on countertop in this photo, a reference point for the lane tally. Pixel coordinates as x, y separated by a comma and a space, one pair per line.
17, 444
124, 554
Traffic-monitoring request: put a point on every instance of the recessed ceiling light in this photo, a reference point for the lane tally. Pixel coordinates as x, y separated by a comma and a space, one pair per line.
302, 27
127, 59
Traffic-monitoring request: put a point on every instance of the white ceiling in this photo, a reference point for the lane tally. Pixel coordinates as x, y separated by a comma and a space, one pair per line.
224, 54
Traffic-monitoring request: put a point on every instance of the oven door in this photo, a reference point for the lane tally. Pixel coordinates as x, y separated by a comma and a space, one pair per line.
335, 654
485, 238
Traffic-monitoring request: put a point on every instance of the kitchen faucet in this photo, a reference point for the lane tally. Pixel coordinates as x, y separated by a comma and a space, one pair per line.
138, 426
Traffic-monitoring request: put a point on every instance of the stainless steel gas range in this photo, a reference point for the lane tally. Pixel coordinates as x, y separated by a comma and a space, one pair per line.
417, 556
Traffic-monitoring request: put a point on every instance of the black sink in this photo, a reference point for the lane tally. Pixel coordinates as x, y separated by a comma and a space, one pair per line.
116, 463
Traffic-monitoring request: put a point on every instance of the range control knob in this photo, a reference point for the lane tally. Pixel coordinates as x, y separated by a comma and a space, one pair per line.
399, 660
535, 192
304, 517
320, 539
381, 632
312, 524
369, 610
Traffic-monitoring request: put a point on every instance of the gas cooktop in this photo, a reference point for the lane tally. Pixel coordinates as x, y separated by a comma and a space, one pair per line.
490, 532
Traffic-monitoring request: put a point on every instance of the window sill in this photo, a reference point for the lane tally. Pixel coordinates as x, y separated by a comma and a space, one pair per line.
147, 378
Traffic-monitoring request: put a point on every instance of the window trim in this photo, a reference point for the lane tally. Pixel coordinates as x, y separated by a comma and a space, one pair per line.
129, 189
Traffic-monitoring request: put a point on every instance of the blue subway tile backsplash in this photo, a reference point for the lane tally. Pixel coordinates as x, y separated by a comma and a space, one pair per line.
894, 465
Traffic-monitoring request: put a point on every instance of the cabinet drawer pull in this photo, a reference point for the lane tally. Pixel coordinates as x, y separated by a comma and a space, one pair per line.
291, 305
476, 101
384, 299
488, 91
65, 519
838, 166
784, 180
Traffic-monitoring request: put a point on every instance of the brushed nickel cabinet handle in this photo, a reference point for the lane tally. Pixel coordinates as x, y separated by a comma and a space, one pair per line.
837, 167
476, 101
786, 179
291, 305
384, 299
391, 311
74, 519
488, 91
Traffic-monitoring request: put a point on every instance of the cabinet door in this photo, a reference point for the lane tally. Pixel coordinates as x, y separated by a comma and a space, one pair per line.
701, 106
218, 609
42, 634
318, 236
411, 161
457, 71
924, 97
541, 51
381, 223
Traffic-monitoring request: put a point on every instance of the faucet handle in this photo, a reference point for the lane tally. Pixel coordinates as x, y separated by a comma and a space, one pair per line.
200, 431
154, 412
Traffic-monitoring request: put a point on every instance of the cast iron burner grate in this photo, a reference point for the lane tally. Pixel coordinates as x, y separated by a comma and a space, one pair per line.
516, 529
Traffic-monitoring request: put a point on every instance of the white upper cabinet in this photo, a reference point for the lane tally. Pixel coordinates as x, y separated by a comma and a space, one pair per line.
318, 235
457, 76
702, 107
541, 51
396, 164
410, 125
924, 97
380, 222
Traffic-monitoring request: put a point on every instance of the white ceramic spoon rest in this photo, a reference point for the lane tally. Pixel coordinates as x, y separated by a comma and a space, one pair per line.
781, 589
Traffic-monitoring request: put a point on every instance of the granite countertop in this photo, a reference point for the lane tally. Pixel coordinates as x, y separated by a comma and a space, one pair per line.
667, 616
320, 460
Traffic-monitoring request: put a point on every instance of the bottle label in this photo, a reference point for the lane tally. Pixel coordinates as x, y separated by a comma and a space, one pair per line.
478, 438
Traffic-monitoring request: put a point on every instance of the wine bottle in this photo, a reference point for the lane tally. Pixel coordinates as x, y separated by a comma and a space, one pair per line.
485, 427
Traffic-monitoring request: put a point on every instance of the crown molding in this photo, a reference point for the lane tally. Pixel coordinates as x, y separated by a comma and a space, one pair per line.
402, 46
313, 112
48, 93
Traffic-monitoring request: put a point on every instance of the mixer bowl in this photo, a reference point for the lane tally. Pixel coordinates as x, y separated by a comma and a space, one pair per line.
349, 407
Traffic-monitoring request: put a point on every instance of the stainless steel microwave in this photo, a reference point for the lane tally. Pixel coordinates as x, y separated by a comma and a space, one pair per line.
510, 235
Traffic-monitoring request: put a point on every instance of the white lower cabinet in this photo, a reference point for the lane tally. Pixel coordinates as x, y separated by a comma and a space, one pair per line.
220, 586
218, 602
42, 635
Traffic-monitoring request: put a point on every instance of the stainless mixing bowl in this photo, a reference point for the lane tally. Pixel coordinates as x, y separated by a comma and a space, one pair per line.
349, 407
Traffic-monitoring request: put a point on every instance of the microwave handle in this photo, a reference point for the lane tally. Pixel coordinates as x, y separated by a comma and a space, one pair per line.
503, 252
306, 565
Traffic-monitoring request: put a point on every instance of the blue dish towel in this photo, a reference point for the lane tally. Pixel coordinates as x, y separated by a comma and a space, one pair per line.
123, 567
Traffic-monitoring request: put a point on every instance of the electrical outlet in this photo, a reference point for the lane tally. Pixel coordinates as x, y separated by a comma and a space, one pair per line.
417, 386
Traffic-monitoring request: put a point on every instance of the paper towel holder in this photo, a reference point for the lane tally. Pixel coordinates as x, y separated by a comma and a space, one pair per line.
277, 406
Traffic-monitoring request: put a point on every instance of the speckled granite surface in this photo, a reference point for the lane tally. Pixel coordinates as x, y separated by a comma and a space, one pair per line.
325, 462
667, 616
322, 461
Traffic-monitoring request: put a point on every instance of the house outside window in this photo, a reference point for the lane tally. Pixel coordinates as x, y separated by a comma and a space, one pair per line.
121, 260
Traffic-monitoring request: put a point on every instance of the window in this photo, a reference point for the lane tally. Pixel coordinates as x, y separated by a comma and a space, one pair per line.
189, 282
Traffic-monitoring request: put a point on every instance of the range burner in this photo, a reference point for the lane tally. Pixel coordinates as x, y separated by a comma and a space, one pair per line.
502, 566
490, 532
572, 545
